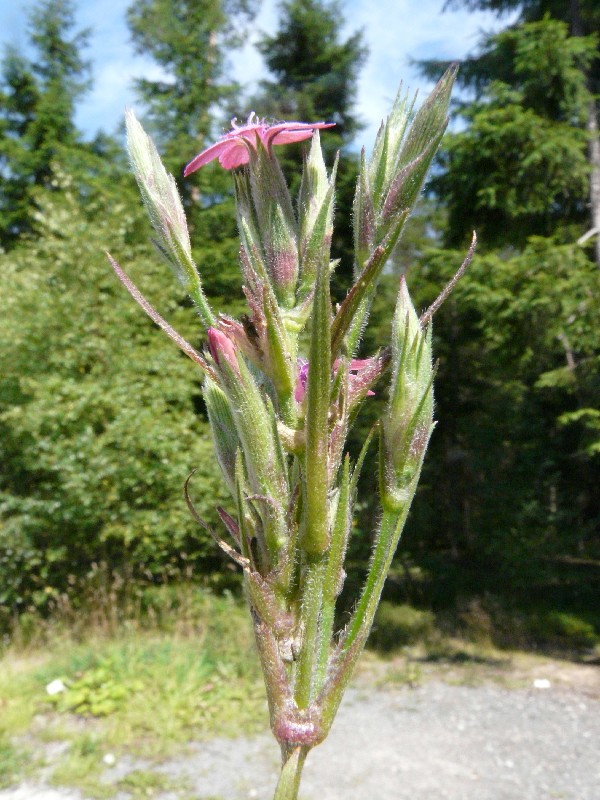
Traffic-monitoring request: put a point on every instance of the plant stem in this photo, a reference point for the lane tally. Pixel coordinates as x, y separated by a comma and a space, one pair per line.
311, 613
291, 771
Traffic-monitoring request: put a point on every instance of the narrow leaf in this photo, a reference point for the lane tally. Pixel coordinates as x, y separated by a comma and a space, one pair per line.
316, 533
350, 312
139, 298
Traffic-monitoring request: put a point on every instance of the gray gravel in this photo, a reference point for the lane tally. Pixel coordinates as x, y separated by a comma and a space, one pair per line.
435, 741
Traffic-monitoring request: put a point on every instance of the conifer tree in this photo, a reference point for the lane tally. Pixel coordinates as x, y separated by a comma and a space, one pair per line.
571, 66
514, 467
189, 39
520, 167
37, 105
315, 71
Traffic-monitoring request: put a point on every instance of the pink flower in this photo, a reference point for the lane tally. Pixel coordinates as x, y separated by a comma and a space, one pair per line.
233, 148
359, 369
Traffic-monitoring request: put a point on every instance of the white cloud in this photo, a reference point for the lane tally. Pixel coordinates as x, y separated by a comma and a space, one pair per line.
397, 31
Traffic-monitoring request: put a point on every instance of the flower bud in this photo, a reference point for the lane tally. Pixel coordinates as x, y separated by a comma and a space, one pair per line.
364, 215
389, 184
282, 257
408, 421
222, 426
316, 203
162, 201
313, 189
253, 261
269, 188
267, 226
257, 433
222, 349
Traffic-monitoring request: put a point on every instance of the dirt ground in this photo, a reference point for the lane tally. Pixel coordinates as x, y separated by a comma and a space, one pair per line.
528, 730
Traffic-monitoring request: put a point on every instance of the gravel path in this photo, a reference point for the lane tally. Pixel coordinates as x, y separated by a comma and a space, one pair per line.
435, 741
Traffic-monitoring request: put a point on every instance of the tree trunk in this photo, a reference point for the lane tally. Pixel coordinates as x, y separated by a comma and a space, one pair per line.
594, 151
578, 29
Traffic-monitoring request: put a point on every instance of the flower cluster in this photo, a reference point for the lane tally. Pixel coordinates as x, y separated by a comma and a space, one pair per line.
284, 384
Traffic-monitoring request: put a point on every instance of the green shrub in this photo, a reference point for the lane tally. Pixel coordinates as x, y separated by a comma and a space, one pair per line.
561, 629
400, 625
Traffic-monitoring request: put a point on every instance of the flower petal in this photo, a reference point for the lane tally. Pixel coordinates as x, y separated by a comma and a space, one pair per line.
289, 137
233, 148
206, 156
289, 132
235, 155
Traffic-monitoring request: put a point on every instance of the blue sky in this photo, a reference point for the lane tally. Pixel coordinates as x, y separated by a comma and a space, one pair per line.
395, 31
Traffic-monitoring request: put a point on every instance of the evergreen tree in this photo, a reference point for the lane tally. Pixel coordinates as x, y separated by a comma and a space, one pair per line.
582, 20
315, 74
514, 462
520, 167
189, 40
315, 71
37, 104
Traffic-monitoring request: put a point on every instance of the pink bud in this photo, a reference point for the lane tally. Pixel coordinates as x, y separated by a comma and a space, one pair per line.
222, 349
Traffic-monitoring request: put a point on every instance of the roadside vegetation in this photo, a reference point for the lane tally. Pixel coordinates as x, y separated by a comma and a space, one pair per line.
139, 682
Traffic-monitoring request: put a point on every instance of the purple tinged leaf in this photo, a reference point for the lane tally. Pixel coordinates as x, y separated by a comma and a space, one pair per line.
230, 524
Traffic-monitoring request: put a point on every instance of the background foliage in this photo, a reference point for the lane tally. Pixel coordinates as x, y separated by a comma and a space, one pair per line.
100, 418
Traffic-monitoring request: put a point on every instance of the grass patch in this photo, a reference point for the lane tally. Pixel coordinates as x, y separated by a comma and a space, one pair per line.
140, 784
14, 762
82, 767
143, 691
563, 630
400, 625
476, 627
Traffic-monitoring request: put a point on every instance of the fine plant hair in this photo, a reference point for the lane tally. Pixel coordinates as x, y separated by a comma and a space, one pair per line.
283, 386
